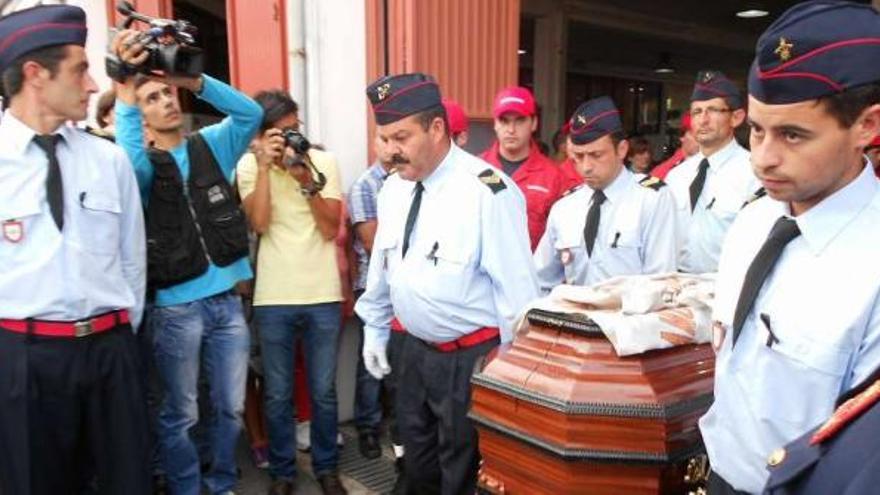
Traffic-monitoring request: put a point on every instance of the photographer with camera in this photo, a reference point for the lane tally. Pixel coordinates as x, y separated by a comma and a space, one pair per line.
197, 251
292, 197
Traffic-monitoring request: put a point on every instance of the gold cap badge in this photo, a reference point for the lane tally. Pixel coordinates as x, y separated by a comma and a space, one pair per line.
784, 49
383, 90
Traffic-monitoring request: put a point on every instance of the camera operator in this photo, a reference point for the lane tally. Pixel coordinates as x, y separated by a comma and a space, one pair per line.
292, 198
197, 251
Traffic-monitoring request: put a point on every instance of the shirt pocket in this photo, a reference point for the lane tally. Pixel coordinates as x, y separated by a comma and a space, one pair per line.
447, 270
18, 220
98, 228
792, 378
623, 250
386, 248
571, 252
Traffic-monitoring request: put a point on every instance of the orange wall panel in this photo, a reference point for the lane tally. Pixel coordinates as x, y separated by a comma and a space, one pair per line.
155, 8
470, 46
257, 44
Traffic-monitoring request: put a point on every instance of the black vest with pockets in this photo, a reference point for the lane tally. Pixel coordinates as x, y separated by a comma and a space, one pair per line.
190, 224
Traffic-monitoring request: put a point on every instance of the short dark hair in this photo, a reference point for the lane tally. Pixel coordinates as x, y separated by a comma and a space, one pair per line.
276, 104
639, 144
105, 106
617, 137
49, 57
846, 106
427, 116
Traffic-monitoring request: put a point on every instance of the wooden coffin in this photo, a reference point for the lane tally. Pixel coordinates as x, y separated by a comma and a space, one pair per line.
559, 412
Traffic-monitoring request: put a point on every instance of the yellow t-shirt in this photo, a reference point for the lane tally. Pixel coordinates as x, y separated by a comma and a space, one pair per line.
295, 265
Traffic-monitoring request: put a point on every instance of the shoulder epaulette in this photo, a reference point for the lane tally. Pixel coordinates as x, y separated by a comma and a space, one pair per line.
760, 193
847, 413
652, 182
492, 180
101, 133
571, 190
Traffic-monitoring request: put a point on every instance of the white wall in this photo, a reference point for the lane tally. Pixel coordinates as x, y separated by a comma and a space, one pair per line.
327, 50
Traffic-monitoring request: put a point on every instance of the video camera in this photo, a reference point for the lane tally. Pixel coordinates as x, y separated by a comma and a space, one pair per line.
170, 44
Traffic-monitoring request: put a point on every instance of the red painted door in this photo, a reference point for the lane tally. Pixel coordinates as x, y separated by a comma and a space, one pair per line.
257, 44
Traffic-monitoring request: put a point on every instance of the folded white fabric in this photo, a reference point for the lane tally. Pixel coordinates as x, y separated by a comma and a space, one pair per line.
641, 312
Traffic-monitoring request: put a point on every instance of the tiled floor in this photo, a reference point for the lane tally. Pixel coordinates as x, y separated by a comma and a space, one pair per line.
377, 473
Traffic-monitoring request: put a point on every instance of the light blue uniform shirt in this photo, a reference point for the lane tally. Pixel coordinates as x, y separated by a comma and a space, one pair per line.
822, 300
469, 261
228, 141
730, 182
636, 235
98, 263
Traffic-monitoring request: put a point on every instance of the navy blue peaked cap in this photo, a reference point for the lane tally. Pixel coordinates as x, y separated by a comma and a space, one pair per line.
396, 97
815, 49
594, 119
39, 27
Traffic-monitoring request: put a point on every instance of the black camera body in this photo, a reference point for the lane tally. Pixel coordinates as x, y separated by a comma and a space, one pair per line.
296, 141
169, 43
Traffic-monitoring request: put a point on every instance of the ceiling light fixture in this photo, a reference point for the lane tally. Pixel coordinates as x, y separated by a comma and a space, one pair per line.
521, 52
664, 65
752, 13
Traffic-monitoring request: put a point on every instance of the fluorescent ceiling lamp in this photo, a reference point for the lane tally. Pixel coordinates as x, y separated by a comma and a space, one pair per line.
752, 13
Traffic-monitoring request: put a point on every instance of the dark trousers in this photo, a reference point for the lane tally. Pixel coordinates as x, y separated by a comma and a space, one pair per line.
717, 486
394, 352
70, 406
434, 395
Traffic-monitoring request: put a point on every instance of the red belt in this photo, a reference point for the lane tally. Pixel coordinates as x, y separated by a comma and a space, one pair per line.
397, 326
82, 328
474, 338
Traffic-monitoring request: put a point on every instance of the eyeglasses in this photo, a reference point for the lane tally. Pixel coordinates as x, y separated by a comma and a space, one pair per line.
710, 111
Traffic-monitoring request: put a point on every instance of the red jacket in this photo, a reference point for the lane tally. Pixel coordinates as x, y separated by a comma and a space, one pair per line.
540, 181
670, 163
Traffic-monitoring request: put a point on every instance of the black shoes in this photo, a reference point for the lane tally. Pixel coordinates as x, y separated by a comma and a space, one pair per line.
281, 487
368, 444
331, 485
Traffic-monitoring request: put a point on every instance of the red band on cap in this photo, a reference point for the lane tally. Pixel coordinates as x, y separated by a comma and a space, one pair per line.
820, 50
711, 90
590, 122
12, 38
808, 75
402, 91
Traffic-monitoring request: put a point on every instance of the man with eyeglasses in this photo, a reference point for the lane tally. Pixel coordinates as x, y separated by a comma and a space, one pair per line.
711, 186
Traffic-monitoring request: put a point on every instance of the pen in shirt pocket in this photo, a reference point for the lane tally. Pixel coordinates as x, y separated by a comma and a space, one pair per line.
432, 256
616, 238
771, 337
82, 199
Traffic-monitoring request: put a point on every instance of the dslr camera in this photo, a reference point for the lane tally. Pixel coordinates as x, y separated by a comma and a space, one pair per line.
301, 146
170, 44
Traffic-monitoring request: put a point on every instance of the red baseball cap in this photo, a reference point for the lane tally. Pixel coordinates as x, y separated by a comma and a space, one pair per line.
458, 121
686, 122
514, 99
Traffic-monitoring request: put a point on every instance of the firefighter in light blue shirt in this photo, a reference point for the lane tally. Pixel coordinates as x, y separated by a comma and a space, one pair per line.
615, 224
451, 260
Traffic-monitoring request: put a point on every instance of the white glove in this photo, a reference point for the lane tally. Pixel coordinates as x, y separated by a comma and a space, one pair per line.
376, 360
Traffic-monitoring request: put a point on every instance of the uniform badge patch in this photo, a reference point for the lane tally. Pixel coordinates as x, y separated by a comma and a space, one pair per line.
13, 231
652, 182
565, 256
492, 180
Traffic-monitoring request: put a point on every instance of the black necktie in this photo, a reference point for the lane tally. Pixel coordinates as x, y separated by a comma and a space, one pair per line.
697, 184
54, 184
782, 233
592, 226
413, 214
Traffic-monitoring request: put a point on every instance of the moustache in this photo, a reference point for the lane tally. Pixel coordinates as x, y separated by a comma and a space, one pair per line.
398, 160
